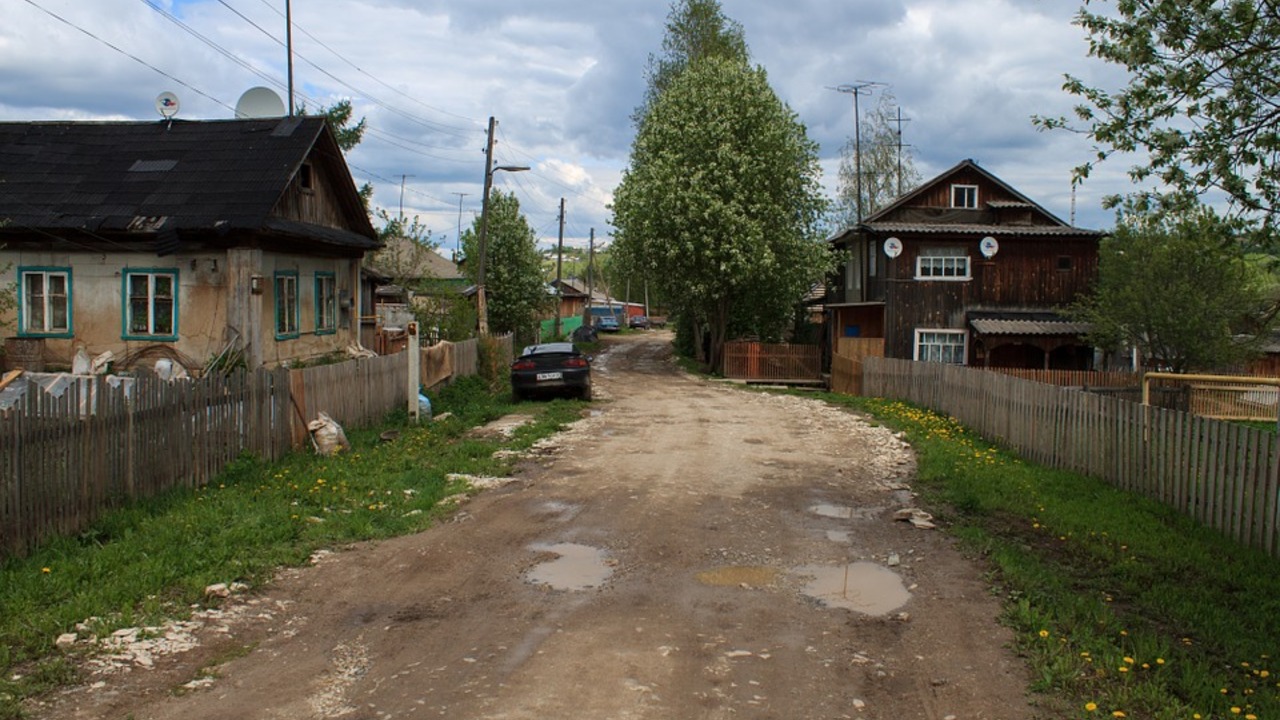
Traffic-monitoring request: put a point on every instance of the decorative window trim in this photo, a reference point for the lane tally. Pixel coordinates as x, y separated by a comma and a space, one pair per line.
24, 317
934, 336
945, 263
126, 304
326, 325
286, 304
964, 197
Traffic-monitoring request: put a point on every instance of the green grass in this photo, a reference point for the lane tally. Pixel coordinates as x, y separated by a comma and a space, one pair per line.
1120, 605
152, 560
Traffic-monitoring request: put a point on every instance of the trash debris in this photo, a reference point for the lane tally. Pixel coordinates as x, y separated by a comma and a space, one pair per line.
916, 517
356, 350
328, 434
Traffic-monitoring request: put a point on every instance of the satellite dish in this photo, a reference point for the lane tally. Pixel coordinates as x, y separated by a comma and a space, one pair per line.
167, 104
259, 102
893, 247
989, 247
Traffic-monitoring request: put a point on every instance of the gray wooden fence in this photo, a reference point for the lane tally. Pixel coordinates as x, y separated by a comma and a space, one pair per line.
1223, 474
104, 442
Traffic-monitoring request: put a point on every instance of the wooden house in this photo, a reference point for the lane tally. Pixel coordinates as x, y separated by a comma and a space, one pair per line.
191, 240
964, 269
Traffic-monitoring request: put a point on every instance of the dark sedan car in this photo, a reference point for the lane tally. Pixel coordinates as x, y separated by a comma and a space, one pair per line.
638, 322
551, 368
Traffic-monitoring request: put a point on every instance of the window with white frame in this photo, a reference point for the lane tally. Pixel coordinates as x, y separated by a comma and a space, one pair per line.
326, 303
150, 303
942, 263
944, 346
286, 284
44, 296
964, 196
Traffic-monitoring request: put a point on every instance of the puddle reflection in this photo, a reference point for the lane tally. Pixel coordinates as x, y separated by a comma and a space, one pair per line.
578, 567
864, 587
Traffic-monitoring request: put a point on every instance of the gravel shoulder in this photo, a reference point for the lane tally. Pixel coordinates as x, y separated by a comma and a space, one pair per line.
686, 550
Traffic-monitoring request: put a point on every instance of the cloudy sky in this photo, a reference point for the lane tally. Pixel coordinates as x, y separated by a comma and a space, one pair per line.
562, 77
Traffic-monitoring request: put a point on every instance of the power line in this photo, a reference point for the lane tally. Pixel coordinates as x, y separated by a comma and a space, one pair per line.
135, 58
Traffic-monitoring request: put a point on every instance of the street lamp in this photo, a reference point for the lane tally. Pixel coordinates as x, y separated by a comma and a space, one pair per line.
482, 307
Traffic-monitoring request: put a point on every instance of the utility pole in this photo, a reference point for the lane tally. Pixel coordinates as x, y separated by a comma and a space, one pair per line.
402, 177
482, 305
559, 262
288, 42
457, 250
591, 261
899, 122
856, 88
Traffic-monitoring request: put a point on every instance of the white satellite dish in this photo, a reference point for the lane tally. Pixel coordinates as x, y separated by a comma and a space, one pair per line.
259, 102
167, 104
989, 247
893, 247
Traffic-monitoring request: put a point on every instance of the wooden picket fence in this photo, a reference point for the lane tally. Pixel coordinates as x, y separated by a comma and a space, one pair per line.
772, 362
1225, 475
104, 442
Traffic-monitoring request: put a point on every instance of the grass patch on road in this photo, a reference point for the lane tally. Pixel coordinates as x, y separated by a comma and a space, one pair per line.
151, 561
1122, 606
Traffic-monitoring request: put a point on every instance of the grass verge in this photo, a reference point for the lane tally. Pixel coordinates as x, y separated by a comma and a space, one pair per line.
1121, 606
151, 561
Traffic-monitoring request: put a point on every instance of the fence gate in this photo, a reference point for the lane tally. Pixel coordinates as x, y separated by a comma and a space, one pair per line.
773, 362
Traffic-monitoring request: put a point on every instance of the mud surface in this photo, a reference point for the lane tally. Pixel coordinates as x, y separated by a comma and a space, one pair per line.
687, 550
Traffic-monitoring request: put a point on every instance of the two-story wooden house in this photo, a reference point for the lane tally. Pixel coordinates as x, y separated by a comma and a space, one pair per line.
966, 270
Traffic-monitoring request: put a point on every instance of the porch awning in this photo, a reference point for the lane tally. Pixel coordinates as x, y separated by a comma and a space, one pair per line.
1028, 326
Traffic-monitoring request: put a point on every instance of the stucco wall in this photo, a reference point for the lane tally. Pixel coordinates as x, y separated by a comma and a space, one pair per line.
204, 288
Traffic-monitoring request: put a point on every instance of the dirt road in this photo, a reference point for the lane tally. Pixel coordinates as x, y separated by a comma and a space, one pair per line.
687, 550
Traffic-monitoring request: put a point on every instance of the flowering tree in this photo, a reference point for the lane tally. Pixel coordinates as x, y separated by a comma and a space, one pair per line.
721, 205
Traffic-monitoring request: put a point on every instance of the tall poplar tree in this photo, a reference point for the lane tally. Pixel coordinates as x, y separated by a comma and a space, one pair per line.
722, 205
516, 292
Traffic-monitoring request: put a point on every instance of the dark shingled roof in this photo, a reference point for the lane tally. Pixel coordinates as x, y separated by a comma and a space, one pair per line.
209, 175
1025, 323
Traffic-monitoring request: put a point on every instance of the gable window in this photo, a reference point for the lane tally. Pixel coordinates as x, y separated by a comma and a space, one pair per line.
150, 304
964, 196
944, 346
1064, 262
942, 263
326, 303
286, 284
44, 298
306, 177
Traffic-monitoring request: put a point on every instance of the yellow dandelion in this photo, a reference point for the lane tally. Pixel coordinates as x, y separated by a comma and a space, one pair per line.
45, 570
1044, 633
1090, 706
1235, 710
1159, 661
1250, 716
1128, 659
1264, 673
1118, 713
1124, 668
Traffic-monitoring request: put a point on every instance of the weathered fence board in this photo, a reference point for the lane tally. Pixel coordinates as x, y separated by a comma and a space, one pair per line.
1225, 475
772, 362
65, 460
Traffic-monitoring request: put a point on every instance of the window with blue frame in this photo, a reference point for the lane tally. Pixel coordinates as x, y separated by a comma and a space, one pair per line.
286, 285
326, 303
150, 304
44, 301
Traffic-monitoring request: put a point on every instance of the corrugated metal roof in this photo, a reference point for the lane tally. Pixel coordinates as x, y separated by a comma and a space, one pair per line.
988, 326
982, 230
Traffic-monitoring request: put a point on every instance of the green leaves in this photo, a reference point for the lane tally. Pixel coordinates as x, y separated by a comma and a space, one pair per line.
722, 204
1200, 102
1175, 283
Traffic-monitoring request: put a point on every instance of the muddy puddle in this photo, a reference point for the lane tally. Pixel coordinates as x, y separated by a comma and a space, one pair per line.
863, 587
844, 512
577, 567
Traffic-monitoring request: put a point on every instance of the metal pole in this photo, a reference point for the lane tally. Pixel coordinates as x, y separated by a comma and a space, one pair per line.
458, 240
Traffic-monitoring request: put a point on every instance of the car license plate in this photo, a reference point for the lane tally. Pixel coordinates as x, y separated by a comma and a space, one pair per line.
550, 376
